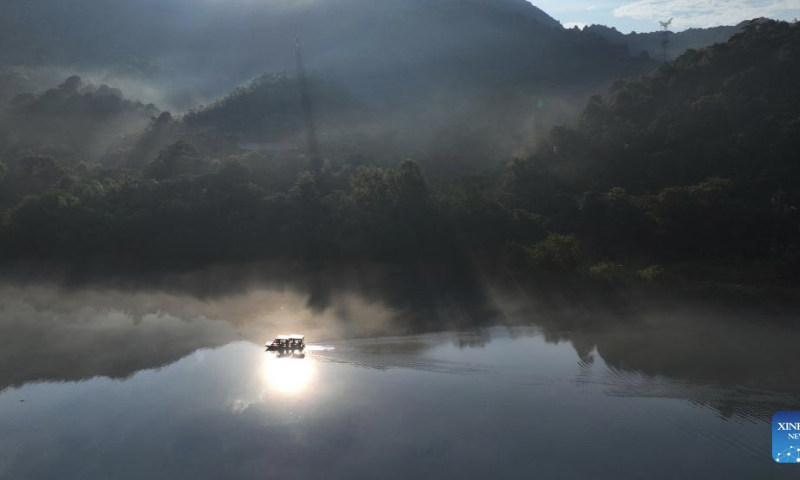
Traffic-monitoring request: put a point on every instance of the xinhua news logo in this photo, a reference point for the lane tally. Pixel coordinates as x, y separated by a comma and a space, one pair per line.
786, 437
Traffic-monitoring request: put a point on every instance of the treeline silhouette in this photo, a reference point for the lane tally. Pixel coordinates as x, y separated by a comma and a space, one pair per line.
650, 43
691, 171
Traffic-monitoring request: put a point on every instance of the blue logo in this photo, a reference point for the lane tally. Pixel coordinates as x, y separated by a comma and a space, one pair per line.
786, 437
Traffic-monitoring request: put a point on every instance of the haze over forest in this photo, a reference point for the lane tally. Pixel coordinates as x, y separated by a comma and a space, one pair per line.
465, 224
471, 136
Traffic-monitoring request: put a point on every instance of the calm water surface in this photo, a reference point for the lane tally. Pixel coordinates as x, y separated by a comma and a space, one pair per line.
640, 401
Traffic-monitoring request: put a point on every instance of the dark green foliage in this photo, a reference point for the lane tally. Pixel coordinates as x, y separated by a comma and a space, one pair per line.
474, 209
728, 111
28, 175
699, 160
615, 224
651, 274
391, 210
224, 216
706, 221
178, 159
269, 107
691, 169
785, 246
556, 253
605, 271
156, 136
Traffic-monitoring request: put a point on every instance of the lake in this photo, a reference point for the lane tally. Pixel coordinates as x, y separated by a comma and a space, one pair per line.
126, 384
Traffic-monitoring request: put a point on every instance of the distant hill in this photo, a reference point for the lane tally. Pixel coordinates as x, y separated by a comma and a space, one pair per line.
525, 8
650, 42
437, 75
378, 49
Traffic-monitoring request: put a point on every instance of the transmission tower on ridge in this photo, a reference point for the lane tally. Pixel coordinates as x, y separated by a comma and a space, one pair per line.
308, 110
665, 39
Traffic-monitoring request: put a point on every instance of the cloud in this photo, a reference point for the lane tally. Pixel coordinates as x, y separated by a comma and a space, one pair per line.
580, 25
707, 13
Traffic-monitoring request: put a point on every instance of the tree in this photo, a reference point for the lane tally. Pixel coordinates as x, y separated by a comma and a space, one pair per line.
180, 158
556, 253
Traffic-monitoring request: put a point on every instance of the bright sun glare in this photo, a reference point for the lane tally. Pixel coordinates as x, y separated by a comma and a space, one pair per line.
288, 375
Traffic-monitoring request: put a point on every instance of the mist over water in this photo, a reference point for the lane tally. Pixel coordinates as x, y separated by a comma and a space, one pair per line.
62, 331
514, 249
81, 362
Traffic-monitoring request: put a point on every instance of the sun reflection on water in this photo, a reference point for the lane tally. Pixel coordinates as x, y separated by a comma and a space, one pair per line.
289, 375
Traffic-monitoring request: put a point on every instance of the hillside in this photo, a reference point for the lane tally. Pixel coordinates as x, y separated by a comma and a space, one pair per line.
386, 51
688, 173
526, 9
729, 110
695, 163
460, 85
270, 106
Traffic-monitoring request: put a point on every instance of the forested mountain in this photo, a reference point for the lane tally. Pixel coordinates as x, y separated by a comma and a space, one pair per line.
692, 168
730, 110
387, 51
423, 77
697, 162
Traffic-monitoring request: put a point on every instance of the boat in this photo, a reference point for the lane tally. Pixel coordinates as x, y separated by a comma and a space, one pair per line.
292, 344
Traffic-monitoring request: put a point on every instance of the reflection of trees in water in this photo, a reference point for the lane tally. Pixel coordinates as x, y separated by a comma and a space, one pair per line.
473, 339
50, 347
52, 332
422, 297
114, 326
708, 349
759, 409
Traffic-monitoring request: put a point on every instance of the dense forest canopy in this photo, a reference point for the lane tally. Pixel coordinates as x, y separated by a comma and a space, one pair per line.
688, 169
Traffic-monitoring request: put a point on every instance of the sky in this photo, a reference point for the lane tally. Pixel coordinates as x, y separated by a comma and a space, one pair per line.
643, 15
